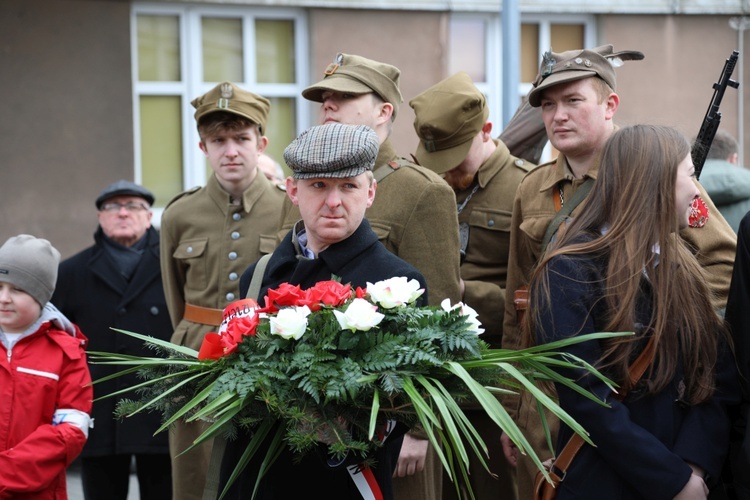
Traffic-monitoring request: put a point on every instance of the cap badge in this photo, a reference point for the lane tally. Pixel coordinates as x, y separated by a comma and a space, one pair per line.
336, 64
226, 94
548, 62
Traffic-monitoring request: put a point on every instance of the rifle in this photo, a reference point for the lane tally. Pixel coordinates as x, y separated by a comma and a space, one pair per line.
711, 121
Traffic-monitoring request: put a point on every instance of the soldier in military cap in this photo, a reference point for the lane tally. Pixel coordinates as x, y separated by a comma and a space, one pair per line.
333, 185
576, 92
414, 214
455, 141
209, 235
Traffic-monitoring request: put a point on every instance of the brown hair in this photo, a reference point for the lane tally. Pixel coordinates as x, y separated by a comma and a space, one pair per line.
634, 197
214, 124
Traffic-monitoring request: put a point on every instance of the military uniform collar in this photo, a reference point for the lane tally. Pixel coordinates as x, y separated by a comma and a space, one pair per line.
494, 163
251, 195
386, 153
560, 172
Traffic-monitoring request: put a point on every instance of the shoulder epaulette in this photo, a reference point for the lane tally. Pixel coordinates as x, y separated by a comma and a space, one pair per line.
182, 194
524, 165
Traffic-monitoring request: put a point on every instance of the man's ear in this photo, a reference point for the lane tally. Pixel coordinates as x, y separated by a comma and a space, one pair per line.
385, 113
371, 192
613, 102
291, 189
203, 147
487, 132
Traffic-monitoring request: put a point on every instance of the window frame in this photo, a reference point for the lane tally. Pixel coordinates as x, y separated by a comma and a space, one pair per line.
191, 72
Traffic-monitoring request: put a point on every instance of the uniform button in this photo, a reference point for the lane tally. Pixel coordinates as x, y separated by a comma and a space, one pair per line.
491, 222
235, 235
232, 255
230, 296
122, 312
189, 250
236, 216
519, 162
154, 310
232, 276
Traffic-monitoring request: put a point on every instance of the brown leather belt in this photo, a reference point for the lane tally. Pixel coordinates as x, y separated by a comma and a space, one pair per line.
203, 315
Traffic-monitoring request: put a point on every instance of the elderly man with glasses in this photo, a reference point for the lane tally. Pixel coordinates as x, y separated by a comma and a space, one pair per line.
116, 283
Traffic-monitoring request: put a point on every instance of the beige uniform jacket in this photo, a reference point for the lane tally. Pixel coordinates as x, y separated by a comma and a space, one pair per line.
414, 216
206, 244
533, 210
487, 214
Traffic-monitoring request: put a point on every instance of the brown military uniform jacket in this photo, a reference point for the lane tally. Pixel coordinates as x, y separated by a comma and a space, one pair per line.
206, 244
414, 216
533, 210
487, 215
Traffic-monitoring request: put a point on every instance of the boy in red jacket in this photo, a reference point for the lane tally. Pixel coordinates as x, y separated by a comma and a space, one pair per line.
45, 391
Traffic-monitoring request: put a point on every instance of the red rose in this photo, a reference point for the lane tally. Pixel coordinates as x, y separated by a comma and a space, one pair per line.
284, 295
241, 326
330, 293
360, 293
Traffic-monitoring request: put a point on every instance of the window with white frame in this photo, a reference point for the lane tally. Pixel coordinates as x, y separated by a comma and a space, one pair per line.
180, 52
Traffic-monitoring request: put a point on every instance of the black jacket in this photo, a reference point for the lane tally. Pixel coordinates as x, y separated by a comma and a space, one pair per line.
93, 294
357, 260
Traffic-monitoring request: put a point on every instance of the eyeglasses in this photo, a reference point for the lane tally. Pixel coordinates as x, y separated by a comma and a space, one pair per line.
130, 207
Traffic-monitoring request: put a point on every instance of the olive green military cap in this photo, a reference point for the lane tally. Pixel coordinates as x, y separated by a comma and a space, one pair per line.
332, 151
230, 98
578, 64
358, 75
448, 116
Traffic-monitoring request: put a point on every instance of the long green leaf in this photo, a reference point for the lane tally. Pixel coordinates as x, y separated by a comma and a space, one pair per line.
161, 343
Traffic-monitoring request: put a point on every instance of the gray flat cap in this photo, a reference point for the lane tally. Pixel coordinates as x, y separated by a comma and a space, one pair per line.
124, 188
333, 150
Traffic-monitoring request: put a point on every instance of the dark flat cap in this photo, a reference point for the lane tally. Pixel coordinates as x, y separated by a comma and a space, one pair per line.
333, 150
124, 188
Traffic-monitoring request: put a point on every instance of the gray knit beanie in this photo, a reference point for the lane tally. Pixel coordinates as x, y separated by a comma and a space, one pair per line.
30, 264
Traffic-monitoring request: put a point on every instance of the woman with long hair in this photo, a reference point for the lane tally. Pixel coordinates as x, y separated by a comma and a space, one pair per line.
621, 266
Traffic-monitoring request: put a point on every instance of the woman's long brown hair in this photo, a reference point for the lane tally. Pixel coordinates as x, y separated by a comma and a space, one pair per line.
634, 197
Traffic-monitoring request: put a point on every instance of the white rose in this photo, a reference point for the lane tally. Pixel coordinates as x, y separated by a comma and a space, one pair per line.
394, 292
472, 317
290, 322
360, 315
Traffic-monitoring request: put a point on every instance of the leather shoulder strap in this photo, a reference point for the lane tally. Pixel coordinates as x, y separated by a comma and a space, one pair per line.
257, 280
636, 371
566, 210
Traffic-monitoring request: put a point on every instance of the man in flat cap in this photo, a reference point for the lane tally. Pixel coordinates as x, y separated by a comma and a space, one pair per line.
209, 235
576, 92
332, 185
116, 283
414, 215
455, 141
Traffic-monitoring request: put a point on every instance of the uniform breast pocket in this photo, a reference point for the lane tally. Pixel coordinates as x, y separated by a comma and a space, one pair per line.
267, 244
489, 236
191, 256
383, 232
534, 228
